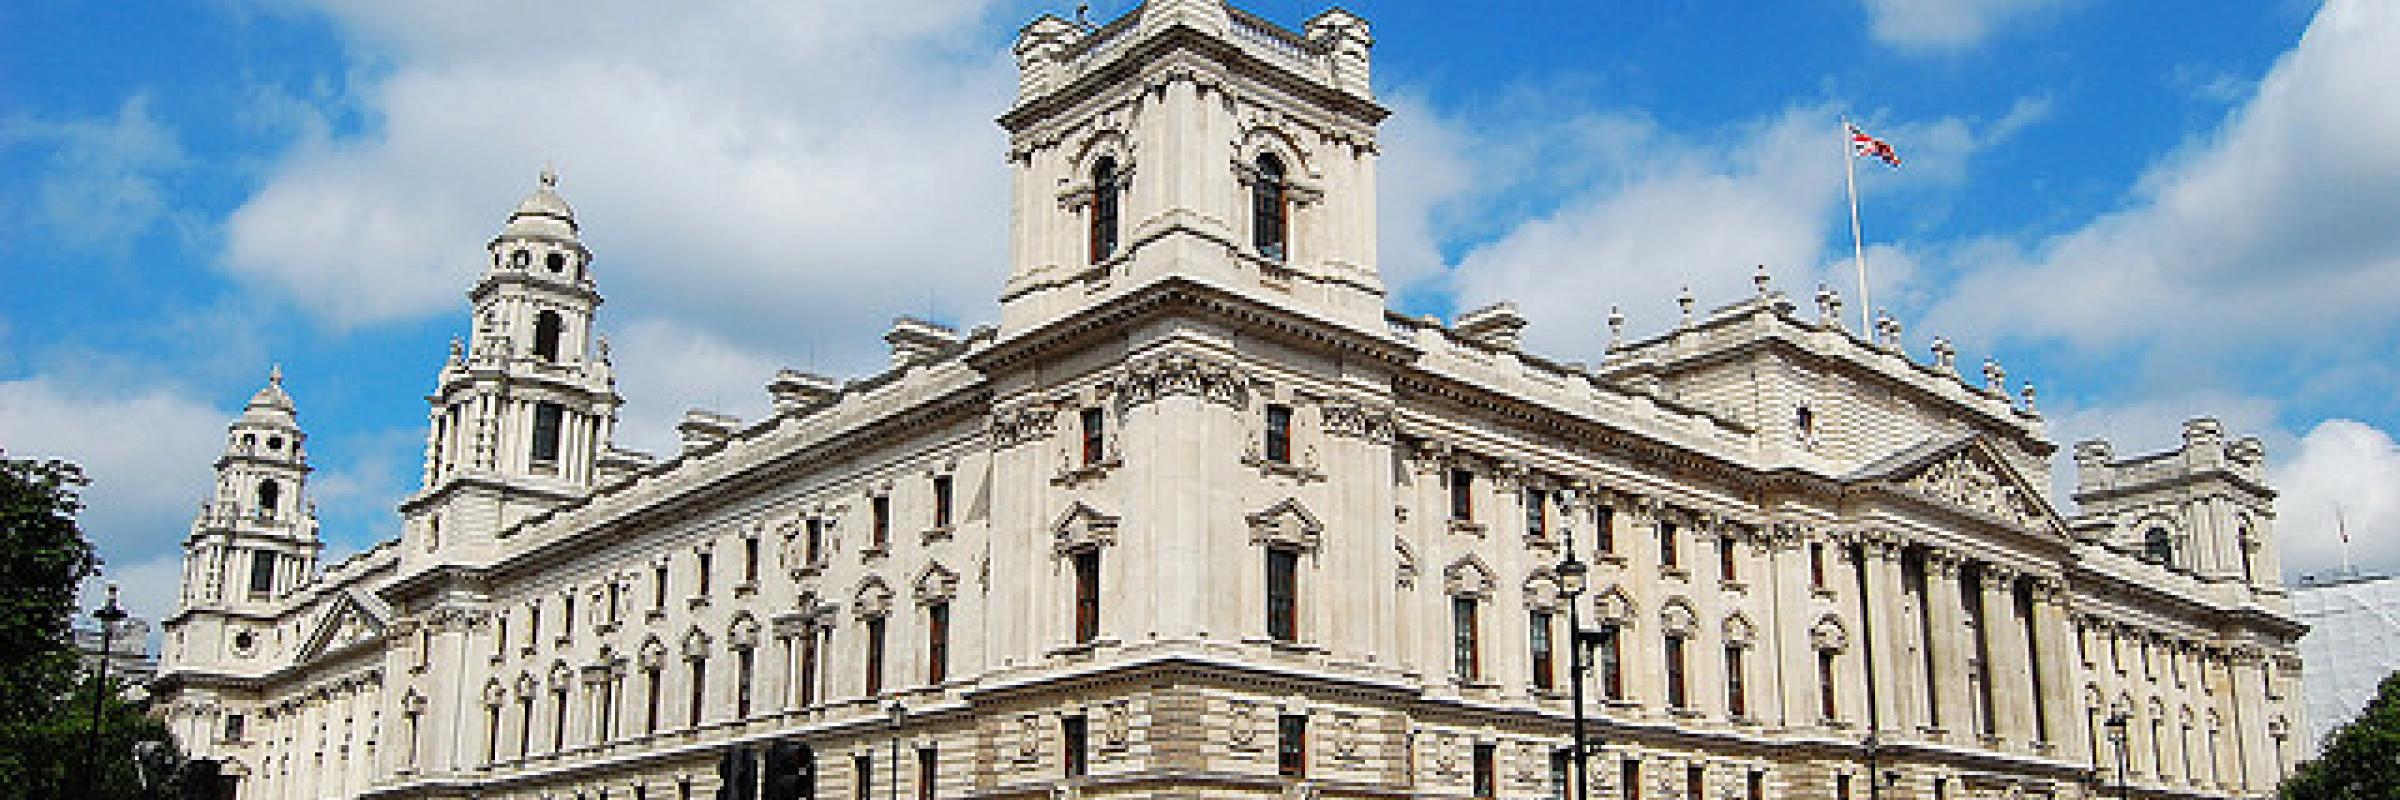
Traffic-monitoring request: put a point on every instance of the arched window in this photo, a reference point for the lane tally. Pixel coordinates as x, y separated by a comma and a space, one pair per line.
1267, 208
546, 327
1104, 209
2158, 546
270, 495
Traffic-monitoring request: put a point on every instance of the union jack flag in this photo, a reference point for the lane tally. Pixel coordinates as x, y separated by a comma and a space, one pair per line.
1865, 145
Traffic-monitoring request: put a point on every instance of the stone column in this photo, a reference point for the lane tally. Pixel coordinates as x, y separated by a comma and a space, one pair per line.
1948, 617
2011, 676
2250, 718
1882, 620
2054, 673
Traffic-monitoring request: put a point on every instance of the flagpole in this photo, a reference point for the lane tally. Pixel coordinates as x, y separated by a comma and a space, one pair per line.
1858, 249
2341, 523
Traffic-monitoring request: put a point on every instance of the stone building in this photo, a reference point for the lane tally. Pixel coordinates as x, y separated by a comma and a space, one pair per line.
1200, 516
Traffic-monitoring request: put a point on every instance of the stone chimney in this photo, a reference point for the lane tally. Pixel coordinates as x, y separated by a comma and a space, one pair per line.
916, 340
794, 390
702, 428
1497, 325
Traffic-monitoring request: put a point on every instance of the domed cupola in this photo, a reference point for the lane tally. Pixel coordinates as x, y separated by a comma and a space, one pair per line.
539, 243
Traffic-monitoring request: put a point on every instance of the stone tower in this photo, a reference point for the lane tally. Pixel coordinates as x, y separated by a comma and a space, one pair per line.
255, 539
522, 413
1191, 139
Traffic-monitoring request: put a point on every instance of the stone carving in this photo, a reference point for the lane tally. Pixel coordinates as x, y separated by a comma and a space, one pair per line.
1029, 737
1242, 727
1116, 725
1345, 736
1968, 482
1012, 428
1180, 374
1286, 523
1344, 418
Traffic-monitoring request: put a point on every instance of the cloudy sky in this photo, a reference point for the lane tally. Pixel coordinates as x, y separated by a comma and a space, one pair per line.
2150, 215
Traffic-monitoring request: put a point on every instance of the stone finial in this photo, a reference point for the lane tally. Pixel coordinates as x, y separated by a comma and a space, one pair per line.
1945, 355
275, 374
1887, 329
2027, 393
600, 347
1685, 301
1995, 379
2094, 452
549, 178
1616, 327
1761, 279
2203, 432
1828, 305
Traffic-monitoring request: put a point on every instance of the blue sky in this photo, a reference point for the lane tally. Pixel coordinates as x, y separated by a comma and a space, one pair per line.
2148, 215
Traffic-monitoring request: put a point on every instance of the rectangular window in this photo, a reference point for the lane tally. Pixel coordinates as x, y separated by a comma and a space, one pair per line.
1725, 560
813, 549
874, 656
941, 501
1562, 773
234, 725
547, 418
749, 559
879, 528
1758, 785
558, 728
699, 690
703, 565
1841, 786
658, 587
1544, 678
1279, 434
745, 663
1612, 664
808, 667
1075, 731
1462, 495
937, 643
566, 615
1737, 693
1604, 526
533, 623
863, 766
262, 572
491, 734
1087, 595
1629, 779
929, 772
1537, 513
1816, 565
500, 634
1825, 698
1667, 557
1283, 589
653, 677
1466, 651
1695, 781
1095, 435
1487, 771
1291, 746
1676, 697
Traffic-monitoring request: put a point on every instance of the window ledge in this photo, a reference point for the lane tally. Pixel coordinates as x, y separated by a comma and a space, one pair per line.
1821, 592
1734, 586
936, 534
1086, 472
875, 551
605, 628
1675, 572
696, 601
656, 613
745, 588
1467, 526
1303, 473
1612, 559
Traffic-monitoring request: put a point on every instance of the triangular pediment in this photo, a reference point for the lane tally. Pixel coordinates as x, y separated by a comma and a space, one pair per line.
348, 620
1969, 474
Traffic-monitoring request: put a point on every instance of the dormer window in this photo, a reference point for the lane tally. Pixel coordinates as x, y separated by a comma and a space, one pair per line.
1268, 208
1104, 209
546, 327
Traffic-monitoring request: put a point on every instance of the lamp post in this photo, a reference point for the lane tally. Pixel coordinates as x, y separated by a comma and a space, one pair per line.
899, 714
2116, 736
1572, 580
109, 614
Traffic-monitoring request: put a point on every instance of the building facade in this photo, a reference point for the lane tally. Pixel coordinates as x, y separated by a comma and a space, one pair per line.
1200, 517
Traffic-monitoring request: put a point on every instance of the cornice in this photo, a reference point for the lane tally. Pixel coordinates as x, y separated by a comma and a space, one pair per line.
1126, 68
1182, 294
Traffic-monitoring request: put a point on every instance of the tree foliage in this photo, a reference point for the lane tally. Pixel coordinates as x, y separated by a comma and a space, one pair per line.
2362, 760
46, 701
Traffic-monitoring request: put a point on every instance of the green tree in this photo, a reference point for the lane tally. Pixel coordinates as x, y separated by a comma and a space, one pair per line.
2362, 761
46, 700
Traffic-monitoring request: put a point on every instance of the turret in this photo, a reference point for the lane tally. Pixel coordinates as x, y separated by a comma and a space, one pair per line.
256, 536
525, 407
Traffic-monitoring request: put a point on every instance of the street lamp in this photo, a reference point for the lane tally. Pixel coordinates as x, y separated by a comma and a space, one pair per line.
1573, 578
109, 614
2116, 735
899, 713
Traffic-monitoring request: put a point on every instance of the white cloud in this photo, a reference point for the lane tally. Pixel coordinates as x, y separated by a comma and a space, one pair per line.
104, 181
146, 450
2344, 473
2275, 228
1649, 211
149, 588
770, 169
1941, 26
666, 368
